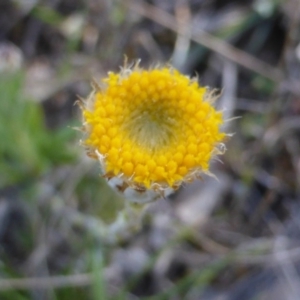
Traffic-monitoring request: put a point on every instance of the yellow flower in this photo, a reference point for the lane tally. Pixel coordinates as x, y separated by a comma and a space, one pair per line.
152, 130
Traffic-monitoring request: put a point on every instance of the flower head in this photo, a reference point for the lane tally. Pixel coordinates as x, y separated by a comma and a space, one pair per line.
152, 130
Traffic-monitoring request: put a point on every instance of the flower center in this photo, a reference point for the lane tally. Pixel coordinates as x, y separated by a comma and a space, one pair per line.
151, 126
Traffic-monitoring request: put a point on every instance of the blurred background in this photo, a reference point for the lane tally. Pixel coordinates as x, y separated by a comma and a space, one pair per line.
237, 237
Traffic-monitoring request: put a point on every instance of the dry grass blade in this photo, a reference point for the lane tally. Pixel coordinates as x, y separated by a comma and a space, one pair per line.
215, 44
182, 44
47, 282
